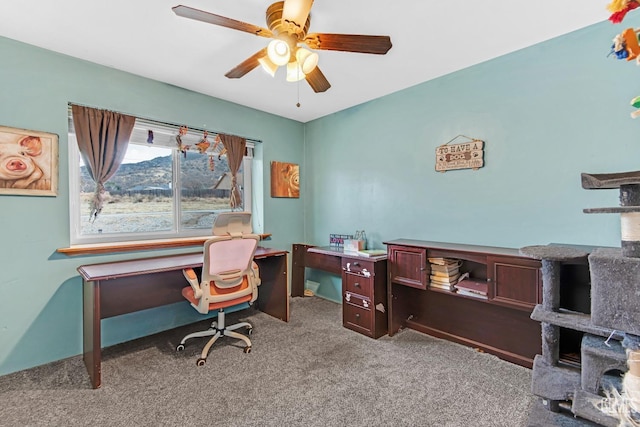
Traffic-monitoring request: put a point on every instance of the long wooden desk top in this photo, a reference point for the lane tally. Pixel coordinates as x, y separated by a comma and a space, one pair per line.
113, 288
458, 247
118, 269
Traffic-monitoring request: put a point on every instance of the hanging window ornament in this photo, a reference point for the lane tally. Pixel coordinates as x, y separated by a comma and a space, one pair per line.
211, 163
203, 145
183, 148
150, 136
218, 147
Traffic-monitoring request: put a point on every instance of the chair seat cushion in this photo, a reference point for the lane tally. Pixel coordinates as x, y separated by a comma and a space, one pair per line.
187, 292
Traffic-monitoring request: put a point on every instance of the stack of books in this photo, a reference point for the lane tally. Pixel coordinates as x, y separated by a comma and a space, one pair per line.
444, 273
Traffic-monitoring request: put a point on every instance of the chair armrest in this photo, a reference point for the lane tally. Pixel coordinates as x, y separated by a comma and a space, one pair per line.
255, 274
192, 278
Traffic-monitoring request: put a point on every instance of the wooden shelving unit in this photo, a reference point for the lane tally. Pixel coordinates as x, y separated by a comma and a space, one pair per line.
499, 324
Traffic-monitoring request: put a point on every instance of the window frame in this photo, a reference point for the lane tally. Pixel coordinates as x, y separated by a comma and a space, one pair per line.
75, 215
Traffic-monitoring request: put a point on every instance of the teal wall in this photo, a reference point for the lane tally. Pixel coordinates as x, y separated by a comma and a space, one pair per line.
40, 290
546, 113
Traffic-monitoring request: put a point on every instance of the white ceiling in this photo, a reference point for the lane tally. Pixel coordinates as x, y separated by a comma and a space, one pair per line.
430, 38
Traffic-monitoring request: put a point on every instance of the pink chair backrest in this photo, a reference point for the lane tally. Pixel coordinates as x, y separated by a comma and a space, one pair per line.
234, 254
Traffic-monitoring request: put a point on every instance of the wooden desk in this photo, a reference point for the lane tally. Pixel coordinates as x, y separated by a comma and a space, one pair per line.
364, 285
112, 289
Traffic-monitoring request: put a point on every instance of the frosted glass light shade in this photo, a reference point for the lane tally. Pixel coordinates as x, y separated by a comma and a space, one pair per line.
268, 65
294, 72
307, 60
278, 52
297, 11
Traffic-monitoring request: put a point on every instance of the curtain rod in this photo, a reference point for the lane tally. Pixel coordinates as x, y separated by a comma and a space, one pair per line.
163, 123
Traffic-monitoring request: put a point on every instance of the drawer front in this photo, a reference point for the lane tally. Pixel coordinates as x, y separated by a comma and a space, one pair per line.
357, 266
357, 284
357, 300
357, 318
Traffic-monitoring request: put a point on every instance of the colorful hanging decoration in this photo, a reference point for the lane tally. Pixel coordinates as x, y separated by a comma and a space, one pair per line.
183, 148
635, 103
618, 48
203, 145
620, 8
625, 45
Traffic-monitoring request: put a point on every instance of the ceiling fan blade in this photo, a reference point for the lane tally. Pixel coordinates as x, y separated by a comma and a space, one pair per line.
317, 80
378, 45
247, 65
201, 15
296, 11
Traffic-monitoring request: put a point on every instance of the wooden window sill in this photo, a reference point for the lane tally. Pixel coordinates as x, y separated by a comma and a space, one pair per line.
142, 245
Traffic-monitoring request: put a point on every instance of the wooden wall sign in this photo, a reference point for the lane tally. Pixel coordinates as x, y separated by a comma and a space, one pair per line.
468, 155
285, 179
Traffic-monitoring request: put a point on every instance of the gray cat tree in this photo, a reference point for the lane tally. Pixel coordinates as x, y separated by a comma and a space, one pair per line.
615, 311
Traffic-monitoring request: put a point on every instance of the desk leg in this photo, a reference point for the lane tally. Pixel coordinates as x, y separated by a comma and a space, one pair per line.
299, 253
91, 331
273, 295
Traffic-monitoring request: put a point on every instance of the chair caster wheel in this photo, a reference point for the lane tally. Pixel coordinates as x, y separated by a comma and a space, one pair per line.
247, 349
249, 331
180, 347
201, 362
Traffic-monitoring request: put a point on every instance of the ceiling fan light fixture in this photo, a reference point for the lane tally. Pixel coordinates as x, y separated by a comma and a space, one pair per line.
278, 52
268, 65
294, 72
307, 60
296, 12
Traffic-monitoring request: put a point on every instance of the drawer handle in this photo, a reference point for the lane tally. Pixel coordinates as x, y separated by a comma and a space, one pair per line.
356, 264
357, 315
357, 284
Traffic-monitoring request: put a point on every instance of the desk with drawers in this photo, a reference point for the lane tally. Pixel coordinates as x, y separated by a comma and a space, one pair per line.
364, 285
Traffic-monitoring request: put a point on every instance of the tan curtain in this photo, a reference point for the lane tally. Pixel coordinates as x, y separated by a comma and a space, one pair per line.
235, 147
103, 138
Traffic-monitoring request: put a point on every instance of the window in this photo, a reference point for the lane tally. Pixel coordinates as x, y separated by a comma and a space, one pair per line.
158, 191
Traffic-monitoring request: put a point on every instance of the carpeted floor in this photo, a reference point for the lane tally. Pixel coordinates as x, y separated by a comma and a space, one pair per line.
308, 372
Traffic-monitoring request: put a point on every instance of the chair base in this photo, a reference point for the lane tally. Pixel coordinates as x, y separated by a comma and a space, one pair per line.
217, 330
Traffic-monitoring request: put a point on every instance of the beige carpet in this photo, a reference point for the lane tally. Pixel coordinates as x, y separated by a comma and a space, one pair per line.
308, 372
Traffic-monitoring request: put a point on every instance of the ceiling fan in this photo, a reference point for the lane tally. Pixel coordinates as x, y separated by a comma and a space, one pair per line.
288, 23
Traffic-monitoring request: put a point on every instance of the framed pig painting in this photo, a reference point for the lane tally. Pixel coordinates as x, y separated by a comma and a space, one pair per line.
28, 162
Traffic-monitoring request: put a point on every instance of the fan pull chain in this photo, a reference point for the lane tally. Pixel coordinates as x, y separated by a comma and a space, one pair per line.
298, 88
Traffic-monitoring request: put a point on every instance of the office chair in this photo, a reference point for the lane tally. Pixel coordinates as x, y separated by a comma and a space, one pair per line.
229, 277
